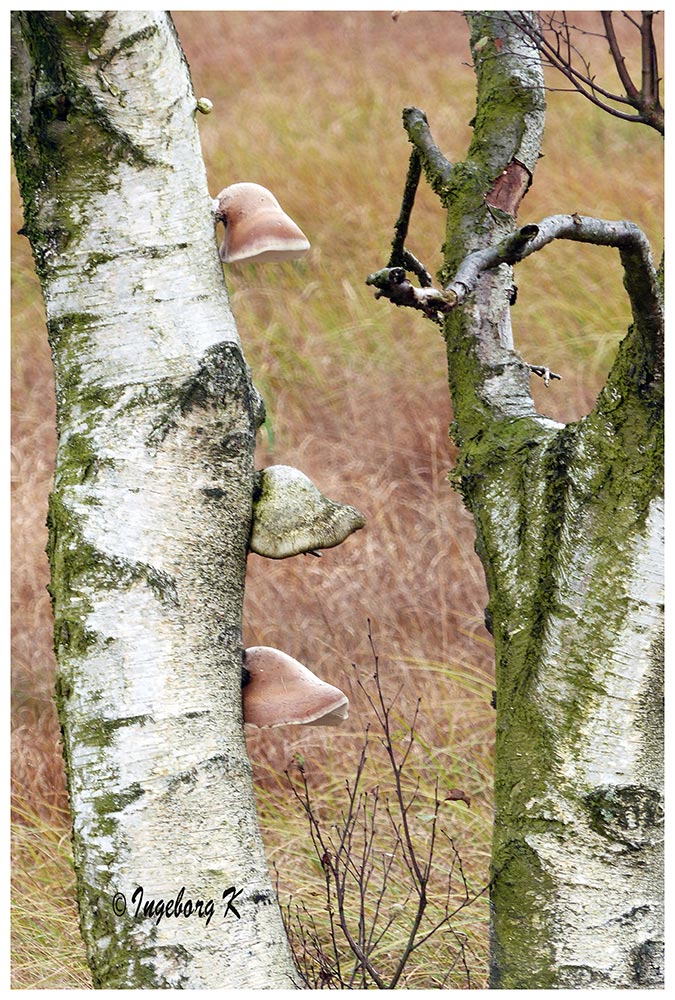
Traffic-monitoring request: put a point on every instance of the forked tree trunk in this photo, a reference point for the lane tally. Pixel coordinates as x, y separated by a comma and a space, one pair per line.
150, 514
570, 531
569, 526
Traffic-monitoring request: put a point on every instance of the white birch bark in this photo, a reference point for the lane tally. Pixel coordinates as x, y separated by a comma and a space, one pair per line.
605, 807
578, 624
150, 515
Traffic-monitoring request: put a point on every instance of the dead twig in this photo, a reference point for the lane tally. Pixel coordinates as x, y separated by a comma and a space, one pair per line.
553, 38
362, 862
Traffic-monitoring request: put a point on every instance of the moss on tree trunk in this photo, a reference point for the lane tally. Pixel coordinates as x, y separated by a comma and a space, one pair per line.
569, 528
151, 509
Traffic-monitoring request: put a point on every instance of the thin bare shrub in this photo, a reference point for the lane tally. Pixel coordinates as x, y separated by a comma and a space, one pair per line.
394, 879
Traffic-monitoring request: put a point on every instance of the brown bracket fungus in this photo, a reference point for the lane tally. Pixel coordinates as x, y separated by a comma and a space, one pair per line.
256, 226
290, 515
280, 691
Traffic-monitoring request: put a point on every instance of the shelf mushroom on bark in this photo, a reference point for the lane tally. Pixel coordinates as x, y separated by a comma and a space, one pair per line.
278, 690
256, 226
291, 516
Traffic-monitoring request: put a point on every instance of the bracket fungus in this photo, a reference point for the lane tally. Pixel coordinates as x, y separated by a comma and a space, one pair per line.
290, 515
280, 691
256, 226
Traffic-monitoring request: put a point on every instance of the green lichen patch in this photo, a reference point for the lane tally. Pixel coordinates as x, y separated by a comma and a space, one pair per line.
129, 42
70, 338
523, 955
65, 144
76, 563
221, 373
78, 569
100, 732
651, 714
221, 377
113, 951
109, 803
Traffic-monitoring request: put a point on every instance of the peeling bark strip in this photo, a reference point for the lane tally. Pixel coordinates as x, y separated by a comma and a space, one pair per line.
510, 188
569, 528
151, 509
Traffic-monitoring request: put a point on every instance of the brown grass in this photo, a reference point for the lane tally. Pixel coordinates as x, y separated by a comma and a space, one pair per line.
309, 104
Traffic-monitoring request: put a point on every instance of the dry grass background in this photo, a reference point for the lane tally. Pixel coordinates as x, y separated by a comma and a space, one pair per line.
309, 104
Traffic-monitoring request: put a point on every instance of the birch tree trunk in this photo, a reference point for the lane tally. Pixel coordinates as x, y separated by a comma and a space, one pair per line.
569, 528
150, 514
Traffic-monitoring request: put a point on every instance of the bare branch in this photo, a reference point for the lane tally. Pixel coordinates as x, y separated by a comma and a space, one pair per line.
650, 72
400, 255
437, 169
584, 82
630, 19
392, 283
359, 875
640, 276
407, 202
561, 53
618, 57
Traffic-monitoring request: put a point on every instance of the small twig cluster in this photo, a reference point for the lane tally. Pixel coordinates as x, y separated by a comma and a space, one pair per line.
554, 36
392, 282
377, 926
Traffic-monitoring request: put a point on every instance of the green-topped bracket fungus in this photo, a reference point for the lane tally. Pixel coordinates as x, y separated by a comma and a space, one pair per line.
291, 516
256, 226
279, 691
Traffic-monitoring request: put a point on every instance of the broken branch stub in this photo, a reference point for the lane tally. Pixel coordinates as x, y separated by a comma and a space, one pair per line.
291, 516
393, 283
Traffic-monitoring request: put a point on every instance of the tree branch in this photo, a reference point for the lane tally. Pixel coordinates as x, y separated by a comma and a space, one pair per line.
400, 255
645, 101
640, 278
437, 169
564, 62
650, 73
618, 57
393, 284
407, 202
